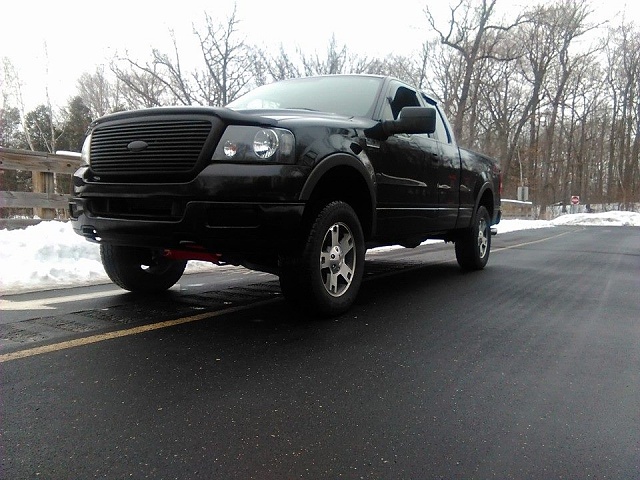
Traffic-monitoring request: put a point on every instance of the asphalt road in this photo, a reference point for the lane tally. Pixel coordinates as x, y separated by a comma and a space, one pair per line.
528, 369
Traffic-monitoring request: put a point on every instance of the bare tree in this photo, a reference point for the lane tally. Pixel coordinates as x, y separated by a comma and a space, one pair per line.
53, 133
337, 60
475, 38
99, 94
228, 60
171, 74
623, 81
4, 87
334, 62
565, 22
278, 67
14, 84
553, 110
414, 69
141, 86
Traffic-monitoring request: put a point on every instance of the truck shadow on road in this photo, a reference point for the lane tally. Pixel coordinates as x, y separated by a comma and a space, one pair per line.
392, 289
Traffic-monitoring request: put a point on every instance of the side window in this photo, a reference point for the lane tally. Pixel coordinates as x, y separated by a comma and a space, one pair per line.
441, 131
399, 96
441, 134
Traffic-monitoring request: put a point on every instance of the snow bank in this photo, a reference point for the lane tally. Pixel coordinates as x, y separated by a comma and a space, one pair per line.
620, 219
50, 255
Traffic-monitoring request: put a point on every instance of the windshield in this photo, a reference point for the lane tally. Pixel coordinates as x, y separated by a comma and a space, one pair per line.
343, 95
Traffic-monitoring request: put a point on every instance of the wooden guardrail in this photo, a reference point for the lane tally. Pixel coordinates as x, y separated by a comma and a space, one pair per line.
517, 209
44, 200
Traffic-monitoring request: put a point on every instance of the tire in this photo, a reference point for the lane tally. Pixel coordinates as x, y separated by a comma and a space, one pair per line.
140, 269
474, 244
325, 278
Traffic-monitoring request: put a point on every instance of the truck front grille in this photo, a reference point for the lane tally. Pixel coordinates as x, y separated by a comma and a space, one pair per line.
172, 147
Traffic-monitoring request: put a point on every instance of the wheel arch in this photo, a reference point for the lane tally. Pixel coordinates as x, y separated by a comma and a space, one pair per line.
485, 198
347, 178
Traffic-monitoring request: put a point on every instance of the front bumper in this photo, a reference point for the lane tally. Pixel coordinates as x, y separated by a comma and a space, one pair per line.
235, 209
218, 227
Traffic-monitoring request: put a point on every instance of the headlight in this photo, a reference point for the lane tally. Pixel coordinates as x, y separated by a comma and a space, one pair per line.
86, 149
255, 144
265, 143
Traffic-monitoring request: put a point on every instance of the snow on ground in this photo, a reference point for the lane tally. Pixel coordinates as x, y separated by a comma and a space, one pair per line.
50, 255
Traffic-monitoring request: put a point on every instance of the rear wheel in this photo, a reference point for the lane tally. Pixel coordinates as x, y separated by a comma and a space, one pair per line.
326, 276
474, 244
140, 269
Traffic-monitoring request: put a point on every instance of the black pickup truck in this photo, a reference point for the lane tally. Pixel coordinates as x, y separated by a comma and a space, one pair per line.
297, 178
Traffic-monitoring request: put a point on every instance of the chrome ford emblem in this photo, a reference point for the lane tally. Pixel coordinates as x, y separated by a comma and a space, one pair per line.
137, 146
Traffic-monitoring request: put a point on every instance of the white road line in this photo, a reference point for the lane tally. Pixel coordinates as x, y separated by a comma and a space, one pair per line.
529, 243
45, 303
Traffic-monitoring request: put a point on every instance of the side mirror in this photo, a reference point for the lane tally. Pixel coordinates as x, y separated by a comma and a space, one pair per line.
410, 120
416, 120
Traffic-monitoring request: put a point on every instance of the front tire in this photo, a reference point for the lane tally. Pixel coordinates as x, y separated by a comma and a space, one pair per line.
140, 269
474, 244
326, 276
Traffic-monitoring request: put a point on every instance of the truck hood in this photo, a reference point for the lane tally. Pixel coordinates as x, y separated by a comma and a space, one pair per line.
297, 118
280, 118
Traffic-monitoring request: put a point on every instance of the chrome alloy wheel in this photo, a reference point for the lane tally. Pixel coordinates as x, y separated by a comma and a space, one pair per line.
337, 259
483, 238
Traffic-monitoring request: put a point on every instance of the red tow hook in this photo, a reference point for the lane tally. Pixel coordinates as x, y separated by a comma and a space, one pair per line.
192, 255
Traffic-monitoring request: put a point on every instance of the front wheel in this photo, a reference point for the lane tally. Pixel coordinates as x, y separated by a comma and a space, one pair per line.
140, 269
474, 244
326, 276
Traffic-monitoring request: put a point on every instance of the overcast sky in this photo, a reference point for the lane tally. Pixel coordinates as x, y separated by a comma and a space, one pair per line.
80, 35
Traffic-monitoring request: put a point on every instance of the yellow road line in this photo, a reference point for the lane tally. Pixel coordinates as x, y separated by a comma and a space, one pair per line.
55, 347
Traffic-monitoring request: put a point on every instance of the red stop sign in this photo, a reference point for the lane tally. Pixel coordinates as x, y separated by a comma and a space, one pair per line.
575, 200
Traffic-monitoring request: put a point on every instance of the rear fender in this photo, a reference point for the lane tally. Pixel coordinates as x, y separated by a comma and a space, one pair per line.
486, 192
